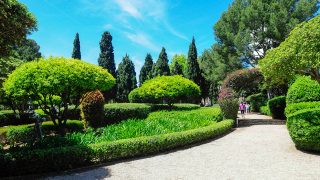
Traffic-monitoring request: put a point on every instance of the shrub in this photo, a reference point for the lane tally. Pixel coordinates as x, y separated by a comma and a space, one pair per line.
92, 112
303, 90
22, 134
62, 158
165, 88
256, 101
56, 78
121, 111
265, 110
292, 108
276, 106
304, 129
176, 107
228, 103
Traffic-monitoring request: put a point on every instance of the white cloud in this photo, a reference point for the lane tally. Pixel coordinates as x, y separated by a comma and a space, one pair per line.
143, 40
108, 26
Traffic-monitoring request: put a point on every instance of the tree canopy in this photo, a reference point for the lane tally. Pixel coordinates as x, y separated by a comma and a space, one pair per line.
193, 70
298, 54
28, 50
177, 69
146, 70
16, 23
106, 57
76, 53
161, 67
181, 59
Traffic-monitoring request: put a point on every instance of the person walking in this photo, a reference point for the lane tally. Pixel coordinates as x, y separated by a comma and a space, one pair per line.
248, 108
242, 108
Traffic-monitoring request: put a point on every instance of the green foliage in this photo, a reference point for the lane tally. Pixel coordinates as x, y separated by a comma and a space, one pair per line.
292, 108
265, 110
76, 53
16, 23
249, 28
117, 112
303, 90
106, 57
146, 70
256, 101
181, 59
176, 107
177, 69
165, 88
228, 103
28, 50
22, 134
298, 54
193, 70
277, 106
8, 117
56, 76
63, 158
304, 128
126, 79
244, 82
161, 67
92, 112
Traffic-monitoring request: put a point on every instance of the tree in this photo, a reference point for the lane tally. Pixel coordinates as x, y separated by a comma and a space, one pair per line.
170, 89
146, 70
126, 79
249, 28
76, 53
193, 70
298, 54
177, 69
54, 82
182, 61
16, 23
161, 67
27, 51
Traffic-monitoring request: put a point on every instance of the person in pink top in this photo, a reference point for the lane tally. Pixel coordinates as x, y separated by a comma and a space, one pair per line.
242, 107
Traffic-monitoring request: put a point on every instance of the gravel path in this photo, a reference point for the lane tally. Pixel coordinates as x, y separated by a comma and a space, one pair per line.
255, 152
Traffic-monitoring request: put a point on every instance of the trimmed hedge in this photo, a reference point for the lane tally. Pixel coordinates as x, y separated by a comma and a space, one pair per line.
117, 112
303, 90
256, 101
276, 106
62, 158
92, 111
292, 108
175, 107
304, 129
265, 110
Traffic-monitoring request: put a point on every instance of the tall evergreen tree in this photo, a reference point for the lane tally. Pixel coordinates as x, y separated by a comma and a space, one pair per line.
106, 57
126, 79
146, 70
76, 53
177, 69
193, 70
161, 67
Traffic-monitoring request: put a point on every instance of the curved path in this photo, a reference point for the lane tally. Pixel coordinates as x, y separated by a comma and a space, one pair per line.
253, 152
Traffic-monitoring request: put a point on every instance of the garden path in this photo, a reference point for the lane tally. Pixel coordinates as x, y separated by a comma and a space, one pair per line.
249, 152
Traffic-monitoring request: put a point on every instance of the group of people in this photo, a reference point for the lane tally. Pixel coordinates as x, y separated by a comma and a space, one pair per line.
244, 107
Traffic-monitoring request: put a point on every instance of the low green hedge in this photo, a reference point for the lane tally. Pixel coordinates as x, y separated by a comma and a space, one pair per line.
304, 129
276, 106
176, 107
62, 158
265, 110
292, 108
117, 112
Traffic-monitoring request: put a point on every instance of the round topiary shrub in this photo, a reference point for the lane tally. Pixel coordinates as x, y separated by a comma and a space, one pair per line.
92, 110
256, 101
228, 103
304, 89
277, 106
169, 89
304, 129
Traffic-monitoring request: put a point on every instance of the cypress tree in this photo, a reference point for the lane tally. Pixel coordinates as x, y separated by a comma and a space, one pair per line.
106, 57
177, 69
76, 53
161, 67
126, 79
193, 70
146, 70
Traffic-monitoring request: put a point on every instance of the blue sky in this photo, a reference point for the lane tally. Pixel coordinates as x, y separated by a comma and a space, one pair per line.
138, 27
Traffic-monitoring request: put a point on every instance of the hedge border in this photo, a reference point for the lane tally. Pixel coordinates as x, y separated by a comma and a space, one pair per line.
64, 158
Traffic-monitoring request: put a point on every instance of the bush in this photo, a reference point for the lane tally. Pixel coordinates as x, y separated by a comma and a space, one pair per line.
256, 101
303, 90
117, 112
292, 108
304, 129
276, 106
62, 158
265, 110
170, 89
92, 112
228, 103
20, 135
176, 107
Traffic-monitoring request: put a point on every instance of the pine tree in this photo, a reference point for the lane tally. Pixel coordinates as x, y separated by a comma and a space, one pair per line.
177, 69
193, 70
76, 53
106, 57
146, 70
161, 67
126, 79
